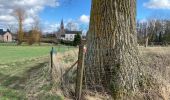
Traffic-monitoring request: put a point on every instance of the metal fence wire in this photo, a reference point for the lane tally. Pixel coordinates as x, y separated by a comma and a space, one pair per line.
63, 74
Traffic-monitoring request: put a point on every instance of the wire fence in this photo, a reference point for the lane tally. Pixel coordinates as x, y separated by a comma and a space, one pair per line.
63, 69
70, 75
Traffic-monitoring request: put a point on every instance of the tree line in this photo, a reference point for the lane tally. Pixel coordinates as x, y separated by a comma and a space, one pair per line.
34, 35
153, 32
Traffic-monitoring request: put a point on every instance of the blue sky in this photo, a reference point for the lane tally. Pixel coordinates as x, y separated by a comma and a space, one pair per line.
152, 8
77, 8
50, 12
142, 12
74, 10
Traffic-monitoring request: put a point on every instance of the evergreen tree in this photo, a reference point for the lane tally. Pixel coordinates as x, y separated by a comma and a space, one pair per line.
77, 39
166, 38
160, 37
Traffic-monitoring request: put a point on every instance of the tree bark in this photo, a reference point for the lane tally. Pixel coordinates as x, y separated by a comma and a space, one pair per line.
20, 32
146, 41
112, 61
19, 13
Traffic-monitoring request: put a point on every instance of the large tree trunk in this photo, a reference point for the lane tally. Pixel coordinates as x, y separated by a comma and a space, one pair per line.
112, 60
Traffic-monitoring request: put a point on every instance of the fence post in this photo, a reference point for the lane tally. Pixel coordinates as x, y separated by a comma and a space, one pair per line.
80, 68
51, 55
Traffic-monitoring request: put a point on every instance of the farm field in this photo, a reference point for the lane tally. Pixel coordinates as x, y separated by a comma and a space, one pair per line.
10, 54
18, 64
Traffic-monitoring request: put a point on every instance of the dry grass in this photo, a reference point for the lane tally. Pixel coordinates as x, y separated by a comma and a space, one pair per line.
155, 59
157, 63
156, 50
65, 81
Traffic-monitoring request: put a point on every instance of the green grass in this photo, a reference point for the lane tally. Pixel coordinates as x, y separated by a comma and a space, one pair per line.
16, 63
10, 94
10, 54
16, 53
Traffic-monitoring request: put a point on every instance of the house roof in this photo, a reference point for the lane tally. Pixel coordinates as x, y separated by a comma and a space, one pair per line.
3, 32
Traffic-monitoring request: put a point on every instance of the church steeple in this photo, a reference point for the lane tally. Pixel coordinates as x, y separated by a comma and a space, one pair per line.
62, 25
62, 30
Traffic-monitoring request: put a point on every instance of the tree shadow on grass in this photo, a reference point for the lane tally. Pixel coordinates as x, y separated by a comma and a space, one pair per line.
9, 89
16, 82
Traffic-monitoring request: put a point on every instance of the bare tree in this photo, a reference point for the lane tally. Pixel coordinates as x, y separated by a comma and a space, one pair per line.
36, 23
150, 31
154, 29
20, 14
11, 28
142, 30
72, 26
36, 31
112, 60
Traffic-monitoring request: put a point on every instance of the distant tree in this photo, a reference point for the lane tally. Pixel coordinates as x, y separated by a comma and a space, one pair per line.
34, 37
20, 14
150, 32
35, 34
153, 30
140, 32
77, 39
166, 36
71, 26
160, 37
12, 28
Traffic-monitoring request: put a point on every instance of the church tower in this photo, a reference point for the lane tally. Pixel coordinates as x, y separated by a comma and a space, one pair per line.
61, 31
62, 27
62, 24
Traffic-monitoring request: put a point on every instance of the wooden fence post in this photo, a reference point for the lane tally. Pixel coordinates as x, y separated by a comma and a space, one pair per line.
80, 68
51, 56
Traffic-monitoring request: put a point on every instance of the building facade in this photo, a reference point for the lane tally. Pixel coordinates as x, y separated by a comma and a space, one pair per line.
5, 36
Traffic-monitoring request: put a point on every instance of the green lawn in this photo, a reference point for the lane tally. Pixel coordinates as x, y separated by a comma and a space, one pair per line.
16, 64
9, 54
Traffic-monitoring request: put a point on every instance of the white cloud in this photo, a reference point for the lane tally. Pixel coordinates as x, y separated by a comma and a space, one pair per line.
6, 18
158, 4
143, 20
84, 18
28, 21
50, 27
32, 8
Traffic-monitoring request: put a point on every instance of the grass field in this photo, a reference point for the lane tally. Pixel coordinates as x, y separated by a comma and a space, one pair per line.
17, 64
10, 54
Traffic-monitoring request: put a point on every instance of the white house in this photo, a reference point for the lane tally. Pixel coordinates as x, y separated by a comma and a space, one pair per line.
69, 35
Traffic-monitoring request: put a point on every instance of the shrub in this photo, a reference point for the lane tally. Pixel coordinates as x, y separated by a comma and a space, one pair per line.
77, 39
